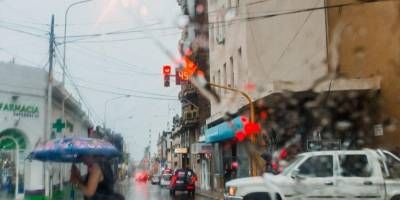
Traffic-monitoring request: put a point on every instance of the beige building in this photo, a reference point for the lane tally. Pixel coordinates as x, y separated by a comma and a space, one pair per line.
343, 53
369, 46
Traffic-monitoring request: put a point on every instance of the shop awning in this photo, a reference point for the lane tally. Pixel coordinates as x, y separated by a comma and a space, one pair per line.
223, 131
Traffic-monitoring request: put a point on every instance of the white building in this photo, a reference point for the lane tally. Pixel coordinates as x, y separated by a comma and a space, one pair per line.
257, 52
23, 110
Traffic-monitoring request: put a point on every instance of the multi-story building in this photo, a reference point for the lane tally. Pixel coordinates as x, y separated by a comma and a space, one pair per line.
300, 61
195, 107
368, 47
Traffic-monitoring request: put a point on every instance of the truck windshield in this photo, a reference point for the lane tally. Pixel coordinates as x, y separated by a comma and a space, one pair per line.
292, 165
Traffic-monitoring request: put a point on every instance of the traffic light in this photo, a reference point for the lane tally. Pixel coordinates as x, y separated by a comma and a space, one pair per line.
166, 73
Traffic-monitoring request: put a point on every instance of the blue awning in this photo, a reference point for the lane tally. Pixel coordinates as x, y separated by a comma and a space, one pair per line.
224, 131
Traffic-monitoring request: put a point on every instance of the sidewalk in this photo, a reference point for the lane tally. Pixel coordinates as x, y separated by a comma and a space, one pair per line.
210, 194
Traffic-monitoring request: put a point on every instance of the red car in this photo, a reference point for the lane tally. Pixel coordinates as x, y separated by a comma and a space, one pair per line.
183, 180
142, 176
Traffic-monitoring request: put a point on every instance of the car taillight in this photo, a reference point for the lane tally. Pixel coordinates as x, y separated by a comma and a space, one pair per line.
173, 180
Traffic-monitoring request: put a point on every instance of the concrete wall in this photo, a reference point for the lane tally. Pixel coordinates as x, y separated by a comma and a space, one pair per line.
369, 46
30, 86
290, 48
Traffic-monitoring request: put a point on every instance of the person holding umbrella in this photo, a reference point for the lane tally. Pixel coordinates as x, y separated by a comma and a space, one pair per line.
94, 153
98, 183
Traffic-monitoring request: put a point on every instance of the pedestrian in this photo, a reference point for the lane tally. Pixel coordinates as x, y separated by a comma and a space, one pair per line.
98, 183
268, 162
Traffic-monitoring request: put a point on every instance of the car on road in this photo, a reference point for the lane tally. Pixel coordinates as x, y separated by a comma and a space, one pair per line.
344, 174
142, 176
183, 179
155, 179
165, 178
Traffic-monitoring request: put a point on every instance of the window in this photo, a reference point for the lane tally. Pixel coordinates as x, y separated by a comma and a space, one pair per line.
354, 166
232, 70
225, 77
317, 166
393, 166
219, 81
211, 31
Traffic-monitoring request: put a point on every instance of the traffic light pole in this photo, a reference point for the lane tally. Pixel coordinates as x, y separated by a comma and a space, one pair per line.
251, 118
247, 96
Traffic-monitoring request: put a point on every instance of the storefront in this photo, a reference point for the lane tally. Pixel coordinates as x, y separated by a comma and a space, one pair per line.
203, 154
230, 159
23, 123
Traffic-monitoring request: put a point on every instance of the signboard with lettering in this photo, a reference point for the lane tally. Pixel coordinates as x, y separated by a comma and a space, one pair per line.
181, 150
20, 110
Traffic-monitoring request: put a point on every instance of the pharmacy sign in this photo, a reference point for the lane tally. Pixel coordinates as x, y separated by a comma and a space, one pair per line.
20, 110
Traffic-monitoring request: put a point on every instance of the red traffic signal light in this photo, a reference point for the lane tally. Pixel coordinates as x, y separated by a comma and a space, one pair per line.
166, 73
166, 70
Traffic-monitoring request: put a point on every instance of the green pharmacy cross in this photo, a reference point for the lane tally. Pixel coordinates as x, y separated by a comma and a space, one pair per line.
59, 125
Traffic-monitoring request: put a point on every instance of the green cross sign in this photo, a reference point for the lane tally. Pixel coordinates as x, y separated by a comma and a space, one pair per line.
59, 125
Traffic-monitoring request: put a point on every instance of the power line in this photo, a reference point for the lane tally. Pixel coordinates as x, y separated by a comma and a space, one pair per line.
23, 32
224, 22
127, 67
119, 88
24, 26
121, 40
69, 77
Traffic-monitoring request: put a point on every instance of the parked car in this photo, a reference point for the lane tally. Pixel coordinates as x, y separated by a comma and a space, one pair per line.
183, 180
142, 176
362, 174
155, 179
165, 178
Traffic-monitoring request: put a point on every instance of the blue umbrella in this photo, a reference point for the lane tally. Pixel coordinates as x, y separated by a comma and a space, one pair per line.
70, 149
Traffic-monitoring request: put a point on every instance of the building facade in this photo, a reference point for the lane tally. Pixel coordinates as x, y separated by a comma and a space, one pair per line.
23, 114
369, 47
195, 107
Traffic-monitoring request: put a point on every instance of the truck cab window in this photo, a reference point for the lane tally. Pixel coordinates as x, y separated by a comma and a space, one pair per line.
354, 166
317, 166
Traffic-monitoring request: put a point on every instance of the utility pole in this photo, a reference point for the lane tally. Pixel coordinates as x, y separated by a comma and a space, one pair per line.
47, 132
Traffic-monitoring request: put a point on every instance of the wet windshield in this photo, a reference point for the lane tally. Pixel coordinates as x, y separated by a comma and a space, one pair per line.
291, 166
99, 99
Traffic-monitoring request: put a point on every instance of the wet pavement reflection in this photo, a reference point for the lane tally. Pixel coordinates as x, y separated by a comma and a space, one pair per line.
145, 191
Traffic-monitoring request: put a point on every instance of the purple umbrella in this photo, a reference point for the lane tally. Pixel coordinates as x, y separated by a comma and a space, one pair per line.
70, 149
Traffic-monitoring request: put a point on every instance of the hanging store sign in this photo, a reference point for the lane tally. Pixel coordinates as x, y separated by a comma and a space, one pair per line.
20, 110
181, 150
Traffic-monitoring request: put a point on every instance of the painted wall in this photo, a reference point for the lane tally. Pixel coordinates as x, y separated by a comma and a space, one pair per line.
369, 46
289, 48
31, 91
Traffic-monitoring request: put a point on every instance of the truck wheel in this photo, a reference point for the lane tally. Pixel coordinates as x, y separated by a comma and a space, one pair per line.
257, 195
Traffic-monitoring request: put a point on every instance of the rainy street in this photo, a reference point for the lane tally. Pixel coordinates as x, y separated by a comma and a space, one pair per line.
146, 191
227, 99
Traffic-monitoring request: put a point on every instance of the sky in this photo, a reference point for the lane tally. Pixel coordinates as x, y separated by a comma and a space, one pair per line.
126, 62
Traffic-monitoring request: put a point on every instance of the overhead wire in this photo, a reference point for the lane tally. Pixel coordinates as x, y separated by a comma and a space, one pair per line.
124, 66
119, 93
24, 32
74, 85
238, 19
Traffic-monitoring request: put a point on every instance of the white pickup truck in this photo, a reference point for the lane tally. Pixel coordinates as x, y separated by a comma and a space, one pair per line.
359, 174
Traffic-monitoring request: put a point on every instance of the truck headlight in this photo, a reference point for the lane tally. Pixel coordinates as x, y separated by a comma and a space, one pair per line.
232, 191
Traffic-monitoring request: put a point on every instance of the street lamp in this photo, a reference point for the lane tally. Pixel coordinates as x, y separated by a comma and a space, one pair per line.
106, 104
65, 34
